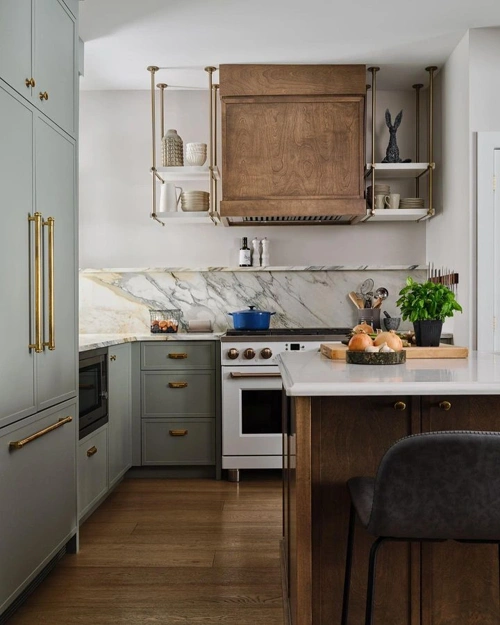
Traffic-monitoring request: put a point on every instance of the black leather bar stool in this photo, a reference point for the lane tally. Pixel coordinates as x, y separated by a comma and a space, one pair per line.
429, 487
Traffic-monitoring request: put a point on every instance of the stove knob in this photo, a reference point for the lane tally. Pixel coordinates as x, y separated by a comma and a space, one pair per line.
233, 353
266, 353
249, 353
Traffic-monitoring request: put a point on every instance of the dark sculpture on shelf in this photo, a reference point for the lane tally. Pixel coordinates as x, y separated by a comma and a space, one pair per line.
392, 152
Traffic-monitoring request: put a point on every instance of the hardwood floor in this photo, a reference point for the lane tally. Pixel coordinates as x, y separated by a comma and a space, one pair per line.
171, 552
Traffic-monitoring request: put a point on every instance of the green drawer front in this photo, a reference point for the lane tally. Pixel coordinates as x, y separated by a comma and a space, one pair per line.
184, 394
178, 442
178, 355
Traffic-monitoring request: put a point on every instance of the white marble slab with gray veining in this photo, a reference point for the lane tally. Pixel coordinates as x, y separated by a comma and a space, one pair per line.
119, 301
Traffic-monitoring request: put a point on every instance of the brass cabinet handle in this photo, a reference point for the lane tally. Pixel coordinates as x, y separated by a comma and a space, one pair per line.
20, 444
30, 82
400, 405
445, 405
38, 344
113, 357
51, 344
43, 95
177, 356
177, 432
91, 451
177, 384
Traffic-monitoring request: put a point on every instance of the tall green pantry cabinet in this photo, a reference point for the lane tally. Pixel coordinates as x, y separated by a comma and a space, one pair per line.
38, 287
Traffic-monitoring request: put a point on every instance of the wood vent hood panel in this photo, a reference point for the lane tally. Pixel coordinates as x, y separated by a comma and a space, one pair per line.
293, 143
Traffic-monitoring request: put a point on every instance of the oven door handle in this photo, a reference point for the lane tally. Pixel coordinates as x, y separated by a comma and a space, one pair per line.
240, 374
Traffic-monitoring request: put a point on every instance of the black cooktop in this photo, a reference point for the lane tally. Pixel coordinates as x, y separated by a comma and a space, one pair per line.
292, 332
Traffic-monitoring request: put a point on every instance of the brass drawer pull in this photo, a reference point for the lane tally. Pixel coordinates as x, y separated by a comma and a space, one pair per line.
400, 405
177, 384
178, 356
20, 444
445, 405
177, 432
91, 451
29, 82
113, 357
43, 95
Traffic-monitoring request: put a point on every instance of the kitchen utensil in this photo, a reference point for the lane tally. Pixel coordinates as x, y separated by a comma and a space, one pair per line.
367, 286
382, 293
357, 301
377, 303
391, 323
387, 314
251, 319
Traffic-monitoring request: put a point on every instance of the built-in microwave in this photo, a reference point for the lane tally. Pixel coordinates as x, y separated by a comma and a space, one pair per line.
93, 390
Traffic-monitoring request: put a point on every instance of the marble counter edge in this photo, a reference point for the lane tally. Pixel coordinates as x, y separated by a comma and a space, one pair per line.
94, 341
253, 269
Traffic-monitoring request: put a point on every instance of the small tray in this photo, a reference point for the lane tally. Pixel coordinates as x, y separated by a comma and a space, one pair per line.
375, 358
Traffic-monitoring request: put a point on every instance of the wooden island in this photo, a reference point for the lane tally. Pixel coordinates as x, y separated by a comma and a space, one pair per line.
338, 421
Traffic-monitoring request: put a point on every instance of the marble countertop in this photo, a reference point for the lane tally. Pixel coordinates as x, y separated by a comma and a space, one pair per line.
93, 341
311, 374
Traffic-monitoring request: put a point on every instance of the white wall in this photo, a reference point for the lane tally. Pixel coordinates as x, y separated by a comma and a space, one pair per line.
448, 233
115, 197
484, 79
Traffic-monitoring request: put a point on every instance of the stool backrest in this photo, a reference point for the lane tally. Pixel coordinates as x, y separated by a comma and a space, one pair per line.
439, 485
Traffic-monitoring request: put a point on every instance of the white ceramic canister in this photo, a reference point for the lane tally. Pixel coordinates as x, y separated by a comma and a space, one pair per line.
169, 200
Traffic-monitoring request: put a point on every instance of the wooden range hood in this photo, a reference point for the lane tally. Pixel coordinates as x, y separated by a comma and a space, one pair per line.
293, 144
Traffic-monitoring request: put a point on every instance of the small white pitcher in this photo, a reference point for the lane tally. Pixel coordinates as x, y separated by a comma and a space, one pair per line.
169, 200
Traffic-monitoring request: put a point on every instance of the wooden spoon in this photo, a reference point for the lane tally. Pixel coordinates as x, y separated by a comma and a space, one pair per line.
356, 300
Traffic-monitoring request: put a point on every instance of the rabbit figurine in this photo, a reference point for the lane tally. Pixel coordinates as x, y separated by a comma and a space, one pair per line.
392, 152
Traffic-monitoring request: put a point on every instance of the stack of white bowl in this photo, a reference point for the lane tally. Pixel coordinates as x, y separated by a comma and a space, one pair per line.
411, 202
196, 153
195, 201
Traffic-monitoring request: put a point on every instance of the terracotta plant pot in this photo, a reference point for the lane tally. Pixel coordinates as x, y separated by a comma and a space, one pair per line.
428, 333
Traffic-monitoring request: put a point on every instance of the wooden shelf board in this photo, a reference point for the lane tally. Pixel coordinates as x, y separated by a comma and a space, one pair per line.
385, 171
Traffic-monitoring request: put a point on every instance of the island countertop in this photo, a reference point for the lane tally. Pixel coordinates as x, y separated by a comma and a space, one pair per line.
311, 374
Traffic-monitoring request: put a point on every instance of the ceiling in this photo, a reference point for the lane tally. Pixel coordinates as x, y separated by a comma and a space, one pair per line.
123, 37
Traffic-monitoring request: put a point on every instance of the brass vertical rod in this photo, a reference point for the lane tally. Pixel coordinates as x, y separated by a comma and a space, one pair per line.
216, 95
38, 344
417, 88
431, 71
153, 69
373, 71
51, 343
162, 86
210, 70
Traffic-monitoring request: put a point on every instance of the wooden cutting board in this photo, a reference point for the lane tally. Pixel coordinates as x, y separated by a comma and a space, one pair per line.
336, 351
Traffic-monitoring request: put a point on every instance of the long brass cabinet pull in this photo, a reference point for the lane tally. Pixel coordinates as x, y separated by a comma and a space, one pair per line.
177, 384
177, 432
38, 344
29, 439
91, 451
51, 344
445, 405
177, 356
400, 405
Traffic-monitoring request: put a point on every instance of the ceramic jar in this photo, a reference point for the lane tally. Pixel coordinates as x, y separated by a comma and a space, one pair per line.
172, 149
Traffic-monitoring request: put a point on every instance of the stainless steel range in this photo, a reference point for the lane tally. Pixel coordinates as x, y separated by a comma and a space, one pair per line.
251, 392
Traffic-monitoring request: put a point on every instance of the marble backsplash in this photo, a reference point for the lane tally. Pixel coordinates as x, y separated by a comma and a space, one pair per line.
119, 300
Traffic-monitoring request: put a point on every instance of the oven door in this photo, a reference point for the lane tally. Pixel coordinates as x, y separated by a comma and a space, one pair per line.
251, 411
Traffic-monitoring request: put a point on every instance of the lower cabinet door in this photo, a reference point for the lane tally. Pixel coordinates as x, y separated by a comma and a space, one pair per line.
92, 469
38, 495
178, 442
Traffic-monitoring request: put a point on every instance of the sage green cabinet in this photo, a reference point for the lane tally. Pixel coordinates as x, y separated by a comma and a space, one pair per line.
119, 412
38, 494
178, 403
38, 56
92, 470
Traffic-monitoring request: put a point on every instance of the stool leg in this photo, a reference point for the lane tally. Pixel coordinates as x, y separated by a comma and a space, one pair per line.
348, 565
371, 580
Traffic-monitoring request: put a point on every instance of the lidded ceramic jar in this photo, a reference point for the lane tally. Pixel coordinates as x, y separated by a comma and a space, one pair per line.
172, 149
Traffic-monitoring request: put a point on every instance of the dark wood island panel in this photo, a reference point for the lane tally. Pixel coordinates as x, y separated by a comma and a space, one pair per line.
331, 439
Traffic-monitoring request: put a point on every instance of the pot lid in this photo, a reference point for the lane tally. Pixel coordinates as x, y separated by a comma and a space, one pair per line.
251, 310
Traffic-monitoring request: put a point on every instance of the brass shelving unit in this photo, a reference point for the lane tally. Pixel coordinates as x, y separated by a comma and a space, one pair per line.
208, 173
383, 171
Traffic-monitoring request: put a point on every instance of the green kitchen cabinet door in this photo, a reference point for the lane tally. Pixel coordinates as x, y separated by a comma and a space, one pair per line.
15, 45
55, 198
119, 411
17, 361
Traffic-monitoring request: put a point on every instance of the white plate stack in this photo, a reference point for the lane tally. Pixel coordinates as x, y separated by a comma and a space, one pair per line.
195, 201
411, 202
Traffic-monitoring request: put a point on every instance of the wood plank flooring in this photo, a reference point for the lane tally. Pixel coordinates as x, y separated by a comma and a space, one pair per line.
171, 552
